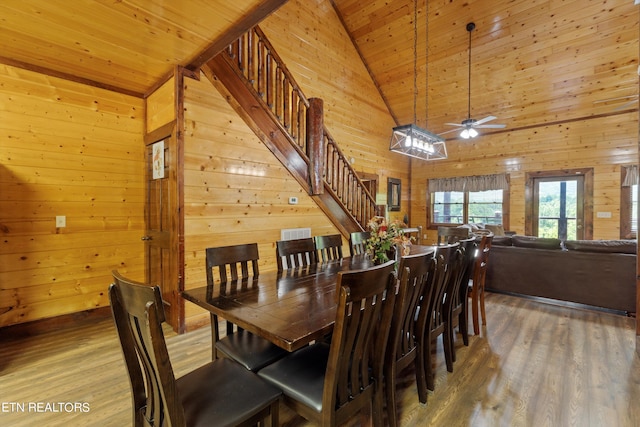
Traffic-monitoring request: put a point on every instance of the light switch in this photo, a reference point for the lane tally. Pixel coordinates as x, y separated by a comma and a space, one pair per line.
61, 221
603, 214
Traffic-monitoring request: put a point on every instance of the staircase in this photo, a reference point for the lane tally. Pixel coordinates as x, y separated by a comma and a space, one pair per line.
255, 81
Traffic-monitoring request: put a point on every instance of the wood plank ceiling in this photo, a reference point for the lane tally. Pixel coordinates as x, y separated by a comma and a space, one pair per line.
533, 62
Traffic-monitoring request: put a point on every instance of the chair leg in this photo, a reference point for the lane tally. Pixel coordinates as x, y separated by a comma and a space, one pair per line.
215, 333
427, 364
275, 414
463, 322
481, 289
421, 378
447, 338
390, 389
474, 308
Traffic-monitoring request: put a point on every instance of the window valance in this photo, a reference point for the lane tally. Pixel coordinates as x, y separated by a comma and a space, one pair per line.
630, 175
469, 183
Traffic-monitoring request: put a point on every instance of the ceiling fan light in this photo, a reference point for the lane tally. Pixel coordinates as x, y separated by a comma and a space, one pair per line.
473, 133
464, 134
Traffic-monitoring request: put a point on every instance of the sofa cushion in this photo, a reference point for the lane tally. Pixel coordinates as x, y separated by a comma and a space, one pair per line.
615, 246
501, 241
496, 229
536, 242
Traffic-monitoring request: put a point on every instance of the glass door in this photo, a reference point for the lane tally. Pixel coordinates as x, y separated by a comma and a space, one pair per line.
558, 204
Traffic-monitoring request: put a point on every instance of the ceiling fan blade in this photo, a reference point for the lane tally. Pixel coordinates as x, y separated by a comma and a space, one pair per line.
496, 126
486, 119
449, 131
454, 124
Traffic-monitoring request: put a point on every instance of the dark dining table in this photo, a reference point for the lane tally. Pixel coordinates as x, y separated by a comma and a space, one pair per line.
291, 308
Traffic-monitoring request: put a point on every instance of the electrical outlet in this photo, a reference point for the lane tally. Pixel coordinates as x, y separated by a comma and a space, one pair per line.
603, 214
61, 221
293, 200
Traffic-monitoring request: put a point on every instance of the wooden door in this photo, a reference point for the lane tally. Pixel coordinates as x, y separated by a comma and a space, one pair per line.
559, 204
162, 247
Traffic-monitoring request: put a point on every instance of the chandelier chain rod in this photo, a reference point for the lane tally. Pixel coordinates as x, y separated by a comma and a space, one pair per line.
415, 59
426, 64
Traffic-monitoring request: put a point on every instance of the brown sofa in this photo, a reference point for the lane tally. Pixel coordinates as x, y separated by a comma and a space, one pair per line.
600, 273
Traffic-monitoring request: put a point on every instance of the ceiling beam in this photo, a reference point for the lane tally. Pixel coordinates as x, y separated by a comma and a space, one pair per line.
243, 25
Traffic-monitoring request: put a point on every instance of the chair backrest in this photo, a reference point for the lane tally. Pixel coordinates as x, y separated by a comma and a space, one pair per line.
295, 253
415, 232
448, 235
460, 267
484, 247
413, 290
227, 259
447, 256
138, 313
357, 242
360, 333
232, 264
329, 247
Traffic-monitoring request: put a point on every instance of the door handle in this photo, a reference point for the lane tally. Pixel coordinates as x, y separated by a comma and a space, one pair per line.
146, 238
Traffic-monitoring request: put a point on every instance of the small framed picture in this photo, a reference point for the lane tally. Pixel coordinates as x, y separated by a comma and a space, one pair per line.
393, 194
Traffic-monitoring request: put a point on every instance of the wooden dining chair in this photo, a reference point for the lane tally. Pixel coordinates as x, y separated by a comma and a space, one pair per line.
405, 345
295, 253
237, 266
330, 383
220, 393
455, 299
477, 286
329, 247
357, 242
448, 235
446, 257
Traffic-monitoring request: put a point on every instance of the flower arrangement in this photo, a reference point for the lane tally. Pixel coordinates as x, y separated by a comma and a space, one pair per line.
386, 238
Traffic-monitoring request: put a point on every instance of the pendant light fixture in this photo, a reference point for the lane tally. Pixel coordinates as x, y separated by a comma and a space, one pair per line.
411, 140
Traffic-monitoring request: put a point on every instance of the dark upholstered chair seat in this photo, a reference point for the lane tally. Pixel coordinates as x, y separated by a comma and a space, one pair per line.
234, 390
301, 374
251, 351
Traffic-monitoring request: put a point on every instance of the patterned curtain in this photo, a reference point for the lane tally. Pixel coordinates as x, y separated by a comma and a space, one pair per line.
470, 183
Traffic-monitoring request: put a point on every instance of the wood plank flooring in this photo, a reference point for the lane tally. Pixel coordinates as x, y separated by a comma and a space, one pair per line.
535, 364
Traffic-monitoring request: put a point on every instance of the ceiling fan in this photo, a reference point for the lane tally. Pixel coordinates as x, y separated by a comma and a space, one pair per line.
470, 125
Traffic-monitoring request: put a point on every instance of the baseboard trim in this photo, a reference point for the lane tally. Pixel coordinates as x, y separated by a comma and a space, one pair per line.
41, 326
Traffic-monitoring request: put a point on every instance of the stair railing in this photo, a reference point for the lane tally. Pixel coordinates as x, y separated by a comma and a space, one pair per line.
274, 85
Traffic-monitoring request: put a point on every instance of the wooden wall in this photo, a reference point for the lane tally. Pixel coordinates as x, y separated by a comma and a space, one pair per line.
310, 38
236, 191
601, 143
73, 150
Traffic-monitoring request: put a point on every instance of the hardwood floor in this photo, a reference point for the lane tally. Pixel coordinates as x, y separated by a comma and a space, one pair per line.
535, 364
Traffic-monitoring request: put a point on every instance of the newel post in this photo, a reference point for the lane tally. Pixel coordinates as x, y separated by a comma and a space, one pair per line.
315, 145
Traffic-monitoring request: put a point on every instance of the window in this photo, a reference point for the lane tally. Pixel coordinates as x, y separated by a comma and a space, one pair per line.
465, 200
559, 204
629, 203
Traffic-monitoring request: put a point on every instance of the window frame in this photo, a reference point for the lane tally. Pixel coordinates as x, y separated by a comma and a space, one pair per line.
431, 225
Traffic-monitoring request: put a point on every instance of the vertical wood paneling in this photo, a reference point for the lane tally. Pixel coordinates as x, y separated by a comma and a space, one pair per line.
66, 149
602, 143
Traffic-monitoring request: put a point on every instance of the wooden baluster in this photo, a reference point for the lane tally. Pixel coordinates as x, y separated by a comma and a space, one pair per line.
272, 70
315, 145
251, 57
286, 88
261, 69
294, 116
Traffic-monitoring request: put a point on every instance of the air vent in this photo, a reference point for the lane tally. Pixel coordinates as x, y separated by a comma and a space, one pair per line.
294, 233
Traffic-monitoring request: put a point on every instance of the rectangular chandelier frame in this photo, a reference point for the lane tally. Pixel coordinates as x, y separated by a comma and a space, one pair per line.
414, 141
